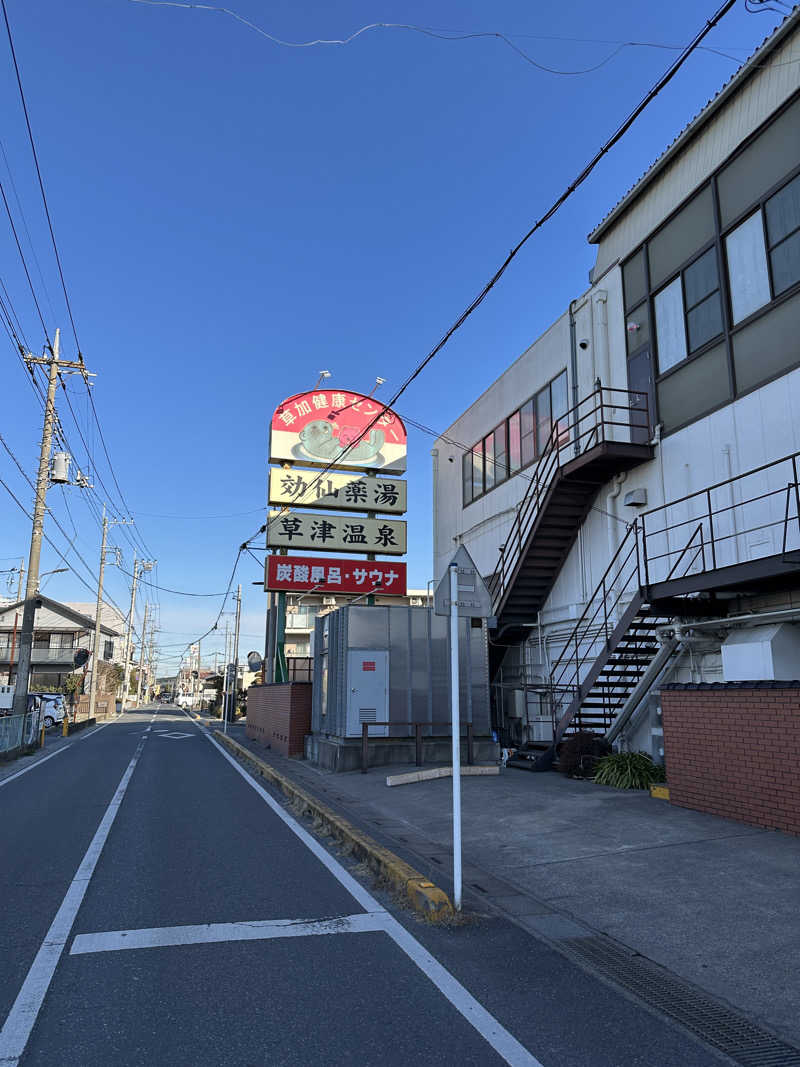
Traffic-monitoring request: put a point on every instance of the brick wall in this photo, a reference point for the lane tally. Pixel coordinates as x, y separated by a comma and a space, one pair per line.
279, 716
733, 749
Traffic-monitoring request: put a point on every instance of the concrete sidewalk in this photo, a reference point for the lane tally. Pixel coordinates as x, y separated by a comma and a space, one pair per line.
713, 901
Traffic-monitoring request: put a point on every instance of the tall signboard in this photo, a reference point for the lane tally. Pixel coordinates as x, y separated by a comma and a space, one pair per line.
325, 427
335, 485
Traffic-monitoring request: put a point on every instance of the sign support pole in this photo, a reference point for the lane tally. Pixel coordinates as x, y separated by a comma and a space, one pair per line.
456, 728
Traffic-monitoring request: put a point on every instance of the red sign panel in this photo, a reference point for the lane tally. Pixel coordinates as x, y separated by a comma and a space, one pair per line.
301, 574
368, 665
341, 429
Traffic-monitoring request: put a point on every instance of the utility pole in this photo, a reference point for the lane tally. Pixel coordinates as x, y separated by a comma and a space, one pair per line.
141, 655
236, 647
16, 620
144, 565
126, 657
98, 609
226, 676
55, 367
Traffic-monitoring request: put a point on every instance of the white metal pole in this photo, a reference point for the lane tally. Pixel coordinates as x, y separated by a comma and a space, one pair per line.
456, 727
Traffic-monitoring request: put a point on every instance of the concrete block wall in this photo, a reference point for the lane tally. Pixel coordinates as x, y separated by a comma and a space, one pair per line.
733, 749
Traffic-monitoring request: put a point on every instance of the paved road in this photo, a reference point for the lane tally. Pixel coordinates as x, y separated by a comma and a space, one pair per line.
159, 907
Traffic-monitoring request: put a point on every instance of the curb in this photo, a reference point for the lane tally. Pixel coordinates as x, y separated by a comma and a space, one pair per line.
427, 899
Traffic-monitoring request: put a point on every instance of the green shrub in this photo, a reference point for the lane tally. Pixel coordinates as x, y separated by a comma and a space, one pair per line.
628, 770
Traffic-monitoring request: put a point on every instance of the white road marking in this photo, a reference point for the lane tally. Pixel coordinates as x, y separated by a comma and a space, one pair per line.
58, 751
171, 736
210, 933
19, 1024
31, 766
496, 1035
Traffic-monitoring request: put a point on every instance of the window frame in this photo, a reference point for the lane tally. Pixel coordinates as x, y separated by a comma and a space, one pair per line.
504, 428
730, 329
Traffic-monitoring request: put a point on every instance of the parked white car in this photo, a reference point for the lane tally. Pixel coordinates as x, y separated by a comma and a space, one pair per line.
53, 707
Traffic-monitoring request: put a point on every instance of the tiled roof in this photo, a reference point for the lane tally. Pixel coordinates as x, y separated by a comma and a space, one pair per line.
695, 124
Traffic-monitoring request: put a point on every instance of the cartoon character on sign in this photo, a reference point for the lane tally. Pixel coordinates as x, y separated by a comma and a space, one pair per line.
317, 441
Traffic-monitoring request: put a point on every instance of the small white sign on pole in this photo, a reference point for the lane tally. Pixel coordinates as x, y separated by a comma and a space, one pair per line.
460, 594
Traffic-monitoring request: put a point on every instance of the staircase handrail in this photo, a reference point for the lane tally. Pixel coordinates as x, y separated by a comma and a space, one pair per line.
566, 431
586, 621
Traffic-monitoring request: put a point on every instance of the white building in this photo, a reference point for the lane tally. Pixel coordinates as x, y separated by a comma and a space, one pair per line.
59, 630
645, 494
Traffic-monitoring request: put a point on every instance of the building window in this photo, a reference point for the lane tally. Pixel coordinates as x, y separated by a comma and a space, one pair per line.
767, 241
783, 234
488, 462
514, 444
108, 650
500, 454
517, 441
527, 433
466, 477
748, 274
688, 311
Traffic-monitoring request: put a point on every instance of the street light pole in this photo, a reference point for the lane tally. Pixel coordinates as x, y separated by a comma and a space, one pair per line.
236, 647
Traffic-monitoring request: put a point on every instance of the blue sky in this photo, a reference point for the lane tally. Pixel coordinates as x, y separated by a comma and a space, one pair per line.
234, 215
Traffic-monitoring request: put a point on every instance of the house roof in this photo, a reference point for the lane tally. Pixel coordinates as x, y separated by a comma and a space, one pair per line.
700, 120
52, 614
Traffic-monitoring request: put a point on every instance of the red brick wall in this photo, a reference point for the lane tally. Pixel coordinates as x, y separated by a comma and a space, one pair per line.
734, 750
280, 716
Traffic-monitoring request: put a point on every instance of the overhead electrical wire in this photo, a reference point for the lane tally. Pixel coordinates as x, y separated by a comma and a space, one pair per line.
443, 35
39, 176
620, 132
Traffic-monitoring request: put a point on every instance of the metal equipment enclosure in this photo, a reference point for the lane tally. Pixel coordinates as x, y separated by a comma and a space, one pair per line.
407, 673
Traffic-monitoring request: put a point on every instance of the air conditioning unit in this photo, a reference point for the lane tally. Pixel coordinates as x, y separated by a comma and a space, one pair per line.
329, 600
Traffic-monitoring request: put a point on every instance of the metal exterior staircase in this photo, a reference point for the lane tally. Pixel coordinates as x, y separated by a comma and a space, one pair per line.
606, 433
673, 561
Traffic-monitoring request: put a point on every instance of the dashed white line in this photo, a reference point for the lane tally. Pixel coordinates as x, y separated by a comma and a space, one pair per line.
17, 1027
211, 933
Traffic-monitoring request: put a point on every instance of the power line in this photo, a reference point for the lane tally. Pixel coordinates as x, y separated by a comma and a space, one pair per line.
39, 176
662, 82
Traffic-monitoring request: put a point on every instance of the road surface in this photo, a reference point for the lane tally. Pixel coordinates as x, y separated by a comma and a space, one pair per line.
159, 906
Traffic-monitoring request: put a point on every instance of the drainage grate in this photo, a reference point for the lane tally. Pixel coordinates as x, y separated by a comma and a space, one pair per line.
743, 1041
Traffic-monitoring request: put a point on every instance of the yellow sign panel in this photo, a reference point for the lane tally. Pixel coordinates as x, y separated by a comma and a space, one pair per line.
340, 491
336, 533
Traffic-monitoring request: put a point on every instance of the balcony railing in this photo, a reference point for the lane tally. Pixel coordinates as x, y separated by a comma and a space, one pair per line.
39, 655
605, 416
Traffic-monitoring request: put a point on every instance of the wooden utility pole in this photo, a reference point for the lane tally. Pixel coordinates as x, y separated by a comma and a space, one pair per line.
144, 565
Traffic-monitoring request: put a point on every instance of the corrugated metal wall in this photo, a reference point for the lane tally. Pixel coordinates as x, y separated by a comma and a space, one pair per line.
419, 667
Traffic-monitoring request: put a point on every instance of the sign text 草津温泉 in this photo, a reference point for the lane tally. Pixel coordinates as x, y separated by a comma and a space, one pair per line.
336, 533
343, 492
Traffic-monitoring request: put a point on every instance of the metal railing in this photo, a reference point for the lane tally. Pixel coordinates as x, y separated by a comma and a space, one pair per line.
606, 415
418, 740
40, 655
18, 731
746, 517
591, 633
